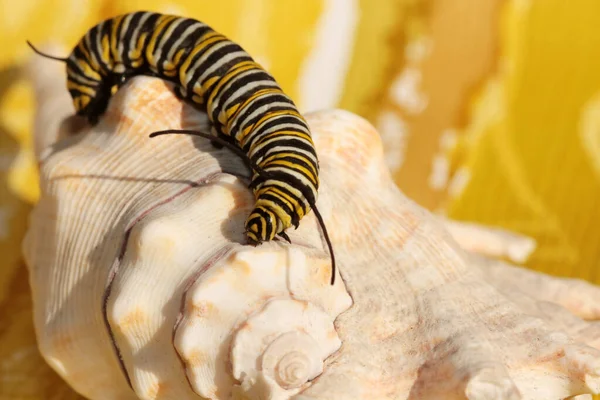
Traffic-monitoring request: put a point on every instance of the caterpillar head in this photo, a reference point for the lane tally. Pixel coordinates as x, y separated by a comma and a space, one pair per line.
262, 225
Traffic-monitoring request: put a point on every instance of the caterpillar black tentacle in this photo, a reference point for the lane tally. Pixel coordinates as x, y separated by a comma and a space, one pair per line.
220, 141
247, 109
61, 59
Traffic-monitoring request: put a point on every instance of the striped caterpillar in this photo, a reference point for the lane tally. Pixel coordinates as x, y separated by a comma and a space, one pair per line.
247, 110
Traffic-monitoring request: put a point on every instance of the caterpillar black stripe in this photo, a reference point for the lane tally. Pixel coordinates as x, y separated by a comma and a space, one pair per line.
248, 111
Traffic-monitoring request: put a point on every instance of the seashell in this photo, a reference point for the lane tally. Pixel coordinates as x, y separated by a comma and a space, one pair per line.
143, 288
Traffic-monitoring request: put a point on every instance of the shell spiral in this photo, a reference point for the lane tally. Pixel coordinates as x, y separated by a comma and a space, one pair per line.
270, 332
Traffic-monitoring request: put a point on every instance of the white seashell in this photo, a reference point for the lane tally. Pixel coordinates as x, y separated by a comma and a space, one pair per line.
138, 270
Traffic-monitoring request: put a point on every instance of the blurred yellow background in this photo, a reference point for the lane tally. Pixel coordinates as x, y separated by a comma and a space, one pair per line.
489, 111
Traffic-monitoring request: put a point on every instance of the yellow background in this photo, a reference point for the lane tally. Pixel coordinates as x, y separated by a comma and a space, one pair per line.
489, 109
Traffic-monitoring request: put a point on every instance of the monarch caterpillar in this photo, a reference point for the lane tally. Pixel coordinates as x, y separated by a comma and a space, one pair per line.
247, 110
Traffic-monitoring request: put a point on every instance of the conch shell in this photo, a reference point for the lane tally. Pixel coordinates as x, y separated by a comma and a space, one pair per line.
143, 286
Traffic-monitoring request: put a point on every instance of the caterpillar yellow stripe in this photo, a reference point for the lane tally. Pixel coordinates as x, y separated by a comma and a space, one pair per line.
245, 105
